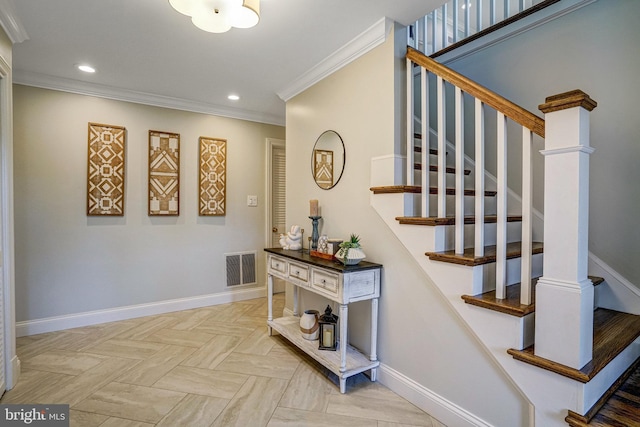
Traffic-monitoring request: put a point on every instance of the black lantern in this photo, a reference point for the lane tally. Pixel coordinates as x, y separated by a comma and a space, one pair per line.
328, 322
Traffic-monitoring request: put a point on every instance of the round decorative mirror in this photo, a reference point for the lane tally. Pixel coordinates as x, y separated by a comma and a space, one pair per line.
327, 159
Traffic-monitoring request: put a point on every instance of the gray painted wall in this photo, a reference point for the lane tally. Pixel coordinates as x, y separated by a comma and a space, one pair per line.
594, 49
69, 263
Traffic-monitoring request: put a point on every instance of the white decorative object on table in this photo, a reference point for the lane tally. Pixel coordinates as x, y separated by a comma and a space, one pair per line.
292, 240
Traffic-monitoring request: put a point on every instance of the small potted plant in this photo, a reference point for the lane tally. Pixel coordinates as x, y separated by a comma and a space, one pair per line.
350, 252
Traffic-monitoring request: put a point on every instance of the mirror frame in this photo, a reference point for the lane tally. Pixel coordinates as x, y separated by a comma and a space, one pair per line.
316, 148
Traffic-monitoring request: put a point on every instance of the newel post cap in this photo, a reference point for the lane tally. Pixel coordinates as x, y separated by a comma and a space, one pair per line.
563, 101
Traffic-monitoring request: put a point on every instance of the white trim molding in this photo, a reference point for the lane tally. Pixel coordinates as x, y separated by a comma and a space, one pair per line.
7, 253
567, 150
58, 323
437, 406
366, 41
11, 24
617, 293
109, 92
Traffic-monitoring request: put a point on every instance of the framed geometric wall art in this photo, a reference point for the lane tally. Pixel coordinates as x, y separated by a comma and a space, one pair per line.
105, 170
164, 173
212, 177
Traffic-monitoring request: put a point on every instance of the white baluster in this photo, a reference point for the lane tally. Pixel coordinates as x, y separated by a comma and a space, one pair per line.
467, 4
527, 200
434, 30
459, 175
410, 135
454, 23
425, 142
445, 39
442, 151
479, 178
424, 35
501, 199
505, 14
479, 10
492, 12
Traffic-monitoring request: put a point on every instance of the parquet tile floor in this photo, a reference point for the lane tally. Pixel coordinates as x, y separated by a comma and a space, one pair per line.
213, 366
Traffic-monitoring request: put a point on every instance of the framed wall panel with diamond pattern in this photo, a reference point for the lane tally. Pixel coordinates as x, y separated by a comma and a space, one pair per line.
105, 172
212, 176
164, 173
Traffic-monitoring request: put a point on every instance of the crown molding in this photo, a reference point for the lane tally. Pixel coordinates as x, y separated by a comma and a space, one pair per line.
11, 24
109, 92
363, 43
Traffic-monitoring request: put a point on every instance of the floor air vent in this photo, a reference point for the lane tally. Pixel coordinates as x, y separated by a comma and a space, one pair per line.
241, 268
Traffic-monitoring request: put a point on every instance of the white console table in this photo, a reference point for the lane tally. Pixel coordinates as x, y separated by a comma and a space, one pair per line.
339, 283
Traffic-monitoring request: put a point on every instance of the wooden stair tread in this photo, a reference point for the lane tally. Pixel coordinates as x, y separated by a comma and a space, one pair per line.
619, 406
468, 258
393, 189
434, 168
511, 304
613, 331
450, 220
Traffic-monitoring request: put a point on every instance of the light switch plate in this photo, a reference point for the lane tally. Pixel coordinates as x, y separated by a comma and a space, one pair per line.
252, 201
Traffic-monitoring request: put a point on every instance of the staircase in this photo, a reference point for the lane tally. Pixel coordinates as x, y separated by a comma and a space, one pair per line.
482, 244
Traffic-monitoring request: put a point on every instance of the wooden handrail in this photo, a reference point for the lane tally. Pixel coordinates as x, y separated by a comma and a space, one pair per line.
497, 102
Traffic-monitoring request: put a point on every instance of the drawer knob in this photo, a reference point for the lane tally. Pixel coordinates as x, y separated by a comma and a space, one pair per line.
324, 281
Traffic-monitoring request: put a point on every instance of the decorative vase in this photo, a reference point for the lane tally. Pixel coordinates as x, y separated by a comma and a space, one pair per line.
353, 255
309, 325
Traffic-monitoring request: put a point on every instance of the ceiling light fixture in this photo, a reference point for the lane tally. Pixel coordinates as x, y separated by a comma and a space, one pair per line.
86, 68
233, 97
218, 16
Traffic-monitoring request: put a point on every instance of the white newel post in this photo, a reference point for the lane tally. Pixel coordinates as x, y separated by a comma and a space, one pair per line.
564, 294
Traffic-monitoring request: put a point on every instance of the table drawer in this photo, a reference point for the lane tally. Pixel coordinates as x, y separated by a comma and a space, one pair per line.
278, 265
325, 281
298, 271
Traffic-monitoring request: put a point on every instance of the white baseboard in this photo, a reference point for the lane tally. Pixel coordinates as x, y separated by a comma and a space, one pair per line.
58, 323
435, 405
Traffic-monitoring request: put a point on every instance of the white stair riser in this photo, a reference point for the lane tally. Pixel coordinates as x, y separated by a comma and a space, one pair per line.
469, 206
513, 271
514, 234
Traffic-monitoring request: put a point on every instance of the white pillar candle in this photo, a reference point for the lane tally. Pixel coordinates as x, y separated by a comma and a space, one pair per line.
327, 338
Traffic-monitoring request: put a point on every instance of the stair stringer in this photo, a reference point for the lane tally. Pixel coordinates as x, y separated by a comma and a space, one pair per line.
550, 394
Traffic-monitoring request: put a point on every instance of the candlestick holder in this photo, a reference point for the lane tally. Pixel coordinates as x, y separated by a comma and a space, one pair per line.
314, 233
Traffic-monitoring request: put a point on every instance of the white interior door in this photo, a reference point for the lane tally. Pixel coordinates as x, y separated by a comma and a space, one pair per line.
277, 200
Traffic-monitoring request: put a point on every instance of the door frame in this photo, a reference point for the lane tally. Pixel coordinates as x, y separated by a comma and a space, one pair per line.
268, 238
271, 144
11, 363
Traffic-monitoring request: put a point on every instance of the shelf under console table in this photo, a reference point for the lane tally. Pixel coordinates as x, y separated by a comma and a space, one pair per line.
336, 282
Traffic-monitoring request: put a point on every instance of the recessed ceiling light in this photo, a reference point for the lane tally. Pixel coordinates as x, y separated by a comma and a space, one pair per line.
86, 68
233, 97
